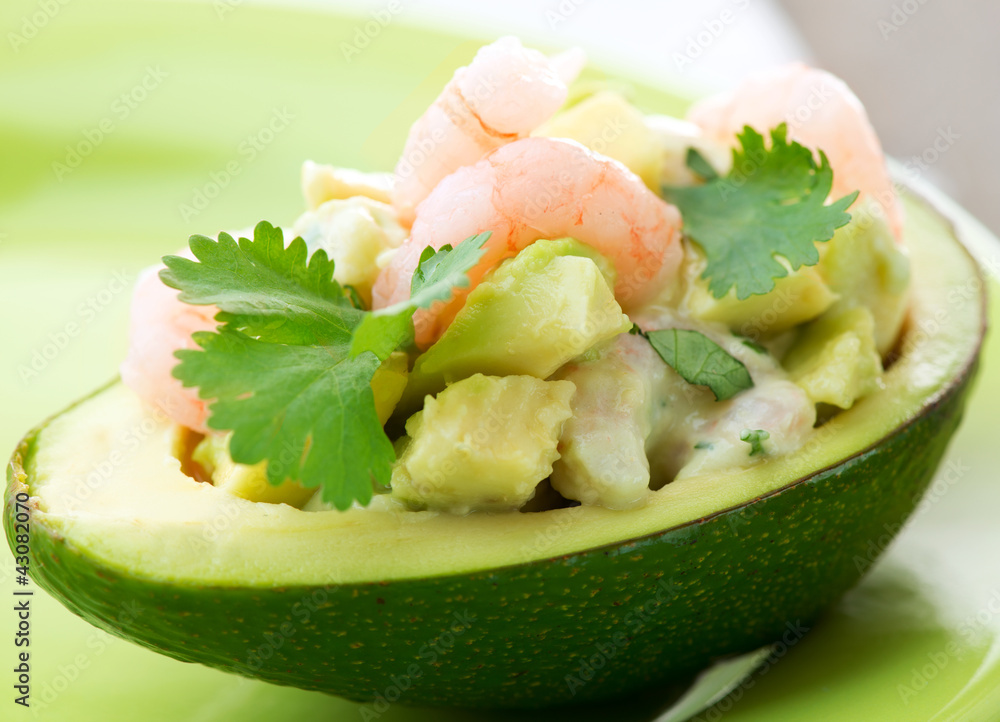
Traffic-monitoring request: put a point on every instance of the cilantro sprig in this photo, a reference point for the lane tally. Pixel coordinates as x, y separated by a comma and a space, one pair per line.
699, 360
772, 203
290, 368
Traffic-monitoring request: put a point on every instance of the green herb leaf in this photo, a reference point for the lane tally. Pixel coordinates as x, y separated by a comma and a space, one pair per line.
699, 360
264, 289
756, 439
440, 272
354, 297
290, 370
437, 275
308, 410
770, 204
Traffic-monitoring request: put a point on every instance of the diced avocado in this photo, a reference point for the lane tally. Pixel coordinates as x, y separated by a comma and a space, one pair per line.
797, 297
602, 451
572, 247
538, 310
865, 266
322, 183
609, 124
483, 444
388, 384
354, 232
246, 482
834, 359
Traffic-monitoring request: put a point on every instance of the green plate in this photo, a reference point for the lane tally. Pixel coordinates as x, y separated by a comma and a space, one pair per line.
127, 126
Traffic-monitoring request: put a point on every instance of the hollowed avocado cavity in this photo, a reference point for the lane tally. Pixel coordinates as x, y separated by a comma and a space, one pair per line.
147, 516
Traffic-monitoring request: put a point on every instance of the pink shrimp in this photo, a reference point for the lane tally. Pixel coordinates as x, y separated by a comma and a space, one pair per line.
161, 324
502, 95
540, 188
821, 113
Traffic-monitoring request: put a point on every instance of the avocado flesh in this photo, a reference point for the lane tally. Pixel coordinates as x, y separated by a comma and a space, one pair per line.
242, 480
834, 359
549, 304
735, 557
797, 297
482, 444
865, 266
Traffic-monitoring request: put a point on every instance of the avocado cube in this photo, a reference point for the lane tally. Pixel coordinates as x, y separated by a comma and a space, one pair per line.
834, 359
798, 297
546, 306
483, 444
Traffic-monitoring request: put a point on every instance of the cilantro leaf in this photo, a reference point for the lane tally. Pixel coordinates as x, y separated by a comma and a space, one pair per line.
700, 361
437, 274
770, 204
308, 410
440, 271
265, 289
756, 439
290, 369
354, 297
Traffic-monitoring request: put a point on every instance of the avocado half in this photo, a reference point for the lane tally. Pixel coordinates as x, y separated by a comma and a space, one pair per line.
509, 610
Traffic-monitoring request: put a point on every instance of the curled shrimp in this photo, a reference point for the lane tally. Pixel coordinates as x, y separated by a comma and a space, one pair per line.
540, 188
822, 113
161, 324
501, 96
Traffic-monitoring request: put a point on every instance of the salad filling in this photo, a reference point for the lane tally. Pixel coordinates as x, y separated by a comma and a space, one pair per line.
541, 313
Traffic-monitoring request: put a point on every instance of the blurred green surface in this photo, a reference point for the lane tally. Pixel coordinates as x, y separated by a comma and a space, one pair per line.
916, 641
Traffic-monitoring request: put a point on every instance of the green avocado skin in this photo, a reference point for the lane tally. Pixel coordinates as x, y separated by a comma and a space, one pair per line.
579, 628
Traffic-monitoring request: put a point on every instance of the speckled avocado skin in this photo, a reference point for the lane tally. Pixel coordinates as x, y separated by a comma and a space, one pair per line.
570, 629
